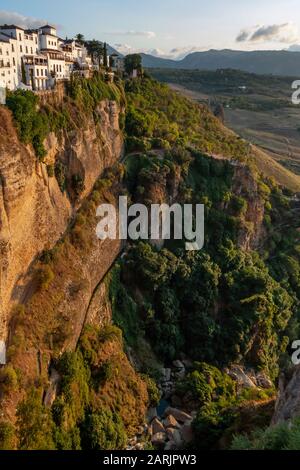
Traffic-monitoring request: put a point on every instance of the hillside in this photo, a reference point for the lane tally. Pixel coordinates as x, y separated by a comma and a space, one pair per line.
108, 350
256, 107
285, 63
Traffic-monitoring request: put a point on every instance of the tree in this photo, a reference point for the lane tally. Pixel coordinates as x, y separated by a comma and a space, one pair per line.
95, 50
104, 430
219, 112
133, 62
80, 38
105, 58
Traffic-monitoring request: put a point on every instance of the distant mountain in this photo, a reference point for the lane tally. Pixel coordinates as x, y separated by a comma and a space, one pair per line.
260, 62
111, 50
151, 61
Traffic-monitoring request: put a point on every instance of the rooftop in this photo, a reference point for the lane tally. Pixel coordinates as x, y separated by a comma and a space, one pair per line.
11, 26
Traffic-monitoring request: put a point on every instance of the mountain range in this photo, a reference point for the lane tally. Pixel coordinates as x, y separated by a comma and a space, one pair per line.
260, 62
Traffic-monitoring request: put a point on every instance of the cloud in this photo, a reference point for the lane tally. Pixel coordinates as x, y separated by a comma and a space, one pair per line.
285, 33
294, 48
145, 34
243, 35
176, 53
10, 17
124, 48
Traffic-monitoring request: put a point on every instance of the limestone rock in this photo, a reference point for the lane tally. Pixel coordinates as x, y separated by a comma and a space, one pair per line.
179, 415
187, 432
171, 422
157, 426
151, 414
159, 439
237, 373
264, 381
175, 436
170, 446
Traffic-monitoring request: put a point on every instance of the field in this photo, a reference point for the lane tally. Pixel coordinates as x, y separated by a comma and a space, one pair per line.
258, 108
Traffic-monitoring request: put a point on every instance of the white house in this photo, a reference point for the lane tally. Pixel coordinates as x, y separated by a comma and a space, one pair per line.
9, 70
38, 57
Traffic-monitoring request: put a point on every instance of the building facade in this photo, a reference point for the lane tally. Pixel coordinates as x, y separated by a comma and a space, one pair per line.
36, 59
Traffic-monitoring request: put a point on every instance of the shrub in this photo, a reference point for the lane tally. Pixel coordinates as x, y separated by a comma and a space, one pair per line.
44, 276
33, 125
8, 379
153, 391
34, 423
7, 436
285, 436
60, 174
103, 430
50, 171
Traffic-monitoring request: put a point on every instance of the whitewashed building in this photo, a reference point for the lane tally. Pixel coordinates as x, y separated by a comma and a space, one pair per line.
38, 58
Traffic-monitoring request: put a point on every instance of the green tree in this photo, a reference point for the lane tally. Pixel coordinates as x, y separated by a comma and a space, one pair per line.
80, 38
133, 62
105, 57
103, 430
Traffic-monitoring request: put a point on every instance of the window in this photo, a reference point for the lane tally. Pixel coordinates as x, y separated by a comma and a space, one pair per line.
26, 50
31, 50
14, 61
42, 72
37, 72
13, 48
20, 37
21, 49
0, 51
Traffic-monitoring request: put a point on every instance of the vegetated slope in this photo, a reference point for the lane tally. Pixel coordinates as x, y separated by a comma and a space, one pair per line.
283, 63
163, 117
234, 302
227, 303
259, 108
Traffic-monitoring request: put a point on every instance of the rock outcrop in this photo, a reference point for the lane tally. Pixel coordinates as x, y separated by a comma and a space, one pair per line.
288, 400
34, 212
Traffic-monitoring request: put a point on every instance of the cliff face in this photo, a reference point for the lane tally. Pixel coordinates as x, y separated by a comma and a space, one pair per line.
246, 185
34, 212
288, 399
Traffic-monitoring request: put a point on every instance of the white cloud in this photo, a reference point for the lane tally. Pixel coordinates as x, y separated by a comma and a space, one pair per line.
286, 33
145, 34
10, 17
124, 48
176, 53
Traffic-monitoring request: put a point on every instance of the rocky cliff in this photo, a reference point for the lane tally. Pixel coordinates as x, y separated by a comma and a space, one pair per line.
34, 211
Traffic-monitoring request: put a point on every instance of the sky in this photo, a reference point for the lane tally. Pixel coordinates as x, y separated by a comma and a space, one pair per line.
166, 28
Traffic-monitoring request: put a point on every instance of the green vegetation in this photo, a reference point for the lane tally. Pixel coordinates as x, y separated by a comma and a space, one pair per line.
133, 62
285, 436
82, 416
35, 121
218, 399
156, 114
225, 304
